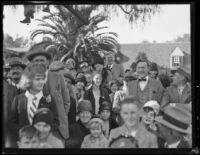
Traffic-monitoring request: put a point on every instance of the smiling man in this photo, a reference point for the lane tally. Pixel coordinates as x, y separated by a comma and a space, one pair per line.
145, 87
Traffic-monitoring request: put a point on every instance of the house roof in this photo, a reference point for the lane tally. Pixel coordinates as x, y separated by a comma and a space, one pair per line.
156, 52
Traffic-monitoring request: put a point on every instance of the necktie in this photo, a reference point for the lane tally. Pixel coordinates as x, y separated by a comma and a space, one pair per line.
143, 79
33, 109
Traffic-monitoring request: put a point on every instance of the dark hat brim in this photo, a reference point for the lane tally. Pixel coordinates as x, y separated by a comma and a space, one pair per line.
17, 64
30, 56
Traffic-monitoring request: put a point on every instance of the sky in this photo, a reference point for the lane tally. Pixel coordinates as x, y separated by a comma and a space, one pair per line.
172, 21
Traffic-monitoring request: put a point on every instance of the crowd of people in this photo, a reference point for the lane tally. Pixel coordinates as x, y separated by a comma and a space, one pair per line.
101, 105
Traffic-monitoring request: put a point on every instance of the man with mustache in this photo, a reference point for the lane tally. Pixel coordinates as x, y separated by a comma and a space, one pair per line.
16, 69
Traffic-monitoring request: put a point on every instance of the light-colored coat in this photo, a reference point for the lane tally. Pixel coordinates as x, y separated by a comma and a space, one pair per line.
171, 95
145, 138
55, 86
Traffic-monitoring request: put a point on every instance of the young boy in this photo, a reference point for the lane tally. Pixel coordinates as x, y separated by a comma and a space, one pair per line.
28, 137
96, 138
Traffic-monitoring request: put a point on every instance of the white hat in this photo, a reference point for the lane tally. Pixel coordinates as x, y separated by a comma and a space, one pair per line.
154, 105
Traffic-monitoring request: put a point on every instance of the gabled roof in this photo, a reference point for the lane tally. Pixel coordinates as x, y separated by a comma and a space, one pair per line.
156, 52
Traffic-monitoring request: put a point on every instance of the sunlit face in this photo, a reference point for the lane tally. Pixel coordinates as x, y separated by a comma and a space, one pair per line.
43, 128
98, 67
97, 79
95, 130
29, 143
178, 78
105, 115
130, 114
148, 117
40, 60
85, 116
114, 88
38, 82
142, 69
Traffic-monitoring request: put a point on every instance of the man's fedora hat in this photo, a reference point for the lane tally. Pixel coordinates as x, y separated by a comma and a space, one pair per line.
33, 54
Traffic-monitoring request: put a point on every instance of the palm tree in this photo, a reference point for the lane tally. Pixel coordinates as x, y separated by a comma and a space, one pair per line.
70, 35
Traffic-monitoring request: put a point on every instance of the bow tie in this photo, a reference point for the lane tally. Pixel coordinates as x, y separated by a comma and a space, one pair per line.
143, 79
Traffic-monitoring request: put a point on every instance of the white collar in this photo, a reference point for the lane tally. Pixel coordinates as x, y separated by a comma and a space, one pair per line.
174, 145
111, 66
16, 85
31, 96
46, 74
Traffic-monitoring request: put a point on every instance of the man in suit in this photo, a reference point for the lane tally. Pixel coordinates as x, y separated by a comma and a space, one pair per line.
174, 125
179, 91
145, 88
55, 86
117, 70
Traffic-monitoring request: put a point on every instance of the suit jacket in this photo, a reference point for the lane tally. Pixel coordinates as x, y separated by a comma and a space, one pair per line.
144, 137
171, 95
117, 71
90, 96
55, 86
183, 143
154, 89
19, 115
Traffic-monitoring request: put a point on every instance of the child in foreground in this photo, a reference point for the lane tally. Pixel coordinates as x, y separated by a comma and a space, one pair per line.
96, 138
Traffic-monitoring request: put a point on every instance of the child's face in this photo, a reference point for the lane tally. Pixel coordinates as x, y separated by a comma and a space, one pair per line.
148, 117
38, 82
43, 128
95, 130
105, 114
29, 143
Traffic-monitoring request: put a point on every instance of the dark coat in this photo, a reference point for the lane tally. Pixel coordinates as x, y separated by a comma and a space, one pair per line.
9, 93
72, 111
19, 116
112, 124
77, 133
104, 96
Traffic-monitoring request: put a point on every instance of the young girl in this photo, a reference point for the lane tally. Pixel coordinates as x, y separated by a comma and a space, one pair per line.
105, 114
96, 138
42, 121
26, 104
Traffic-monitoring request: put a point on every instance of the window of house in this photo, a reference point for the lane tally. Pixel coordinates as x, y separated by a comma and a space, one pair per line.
176, 61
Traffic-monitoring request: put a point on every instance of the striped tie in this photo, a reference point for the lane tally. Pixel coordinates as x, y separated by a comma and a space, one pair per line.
33, 109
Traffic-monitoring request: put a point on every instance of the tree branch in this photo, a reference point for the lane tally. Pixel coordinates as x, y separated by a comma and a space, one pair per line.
75, 13
127, 12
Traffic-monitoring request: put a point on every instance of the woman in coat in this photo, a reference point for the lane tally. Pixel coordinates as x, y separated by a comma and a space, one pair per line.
96, 94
